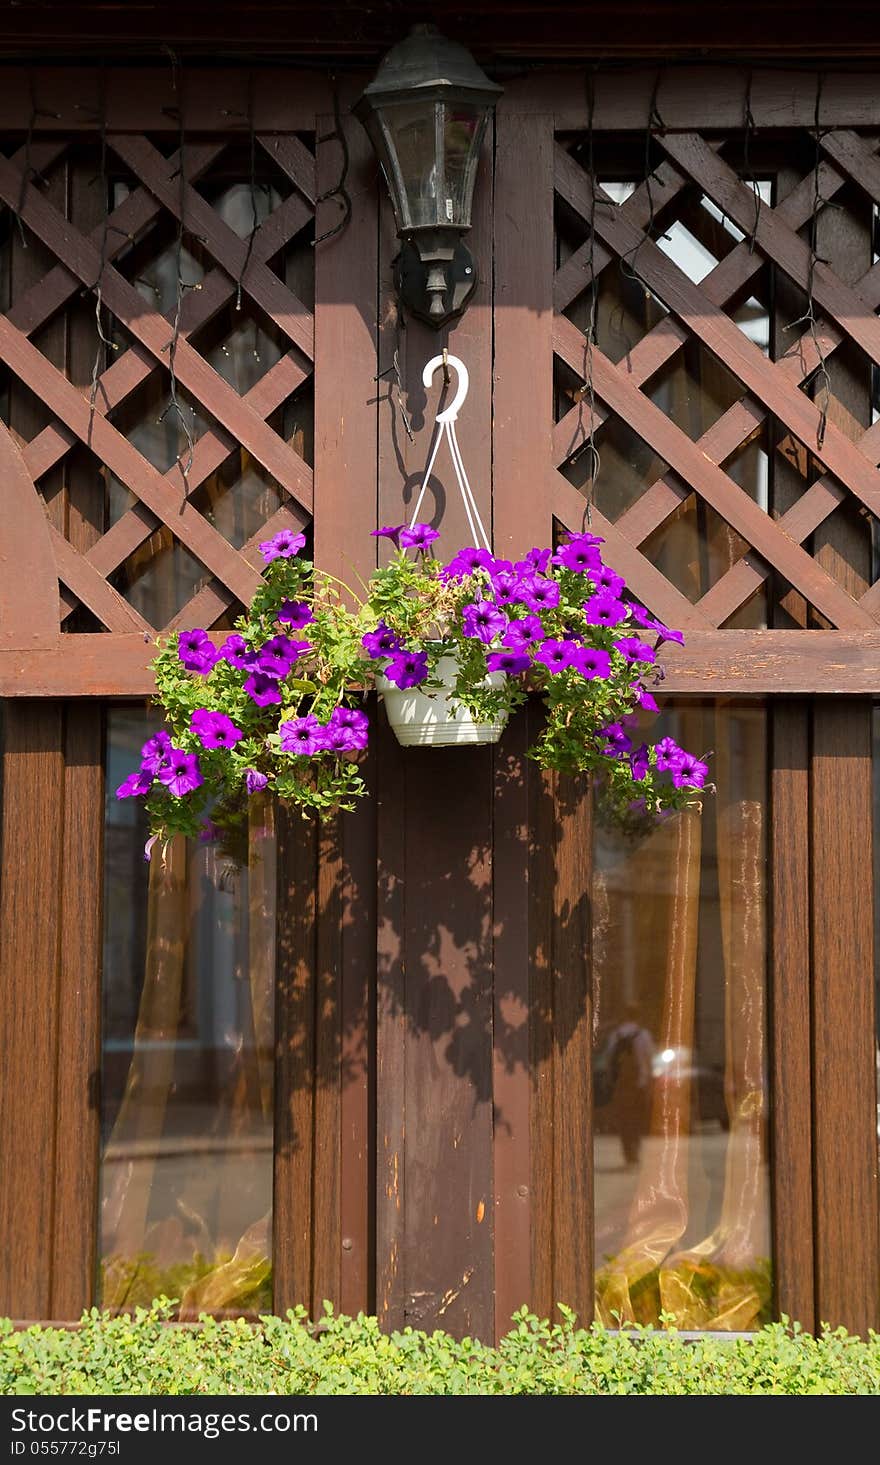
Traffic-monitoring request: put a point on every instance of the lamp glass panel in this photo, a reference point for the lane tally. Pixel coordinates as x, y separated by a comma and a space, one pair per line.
461, 136
411, 129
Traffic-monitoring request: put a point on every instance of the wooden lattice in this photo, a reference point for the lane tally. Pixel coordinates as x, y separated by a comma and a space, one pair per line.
789, 594
143, 343
837, 452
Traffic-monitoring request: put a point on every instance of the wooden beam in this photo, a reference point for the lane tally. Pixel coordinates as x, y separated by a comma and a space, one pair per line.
746, 663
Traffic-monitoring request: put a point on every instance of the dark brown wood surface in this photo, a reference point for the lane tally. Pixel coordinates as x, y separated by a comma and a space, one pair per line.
433, 1104
446, 938
346, 269
357, 1063
524, 248
33, 861
572, 1049
391, 1023
789, 1000
77, 1133
511, 961
294, 1216
844, 1043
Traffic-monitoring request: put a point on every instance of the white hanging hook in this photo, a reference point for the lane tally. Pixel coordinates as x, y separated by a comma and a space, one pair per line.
450, 413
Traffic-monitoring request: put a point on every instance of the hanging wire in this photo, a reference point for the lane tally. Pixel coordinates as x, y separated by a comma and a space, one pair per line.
105, 343
397, 388
655, 125
339, 189
255, 217
28, 172
181, 286
748, 172
809, 317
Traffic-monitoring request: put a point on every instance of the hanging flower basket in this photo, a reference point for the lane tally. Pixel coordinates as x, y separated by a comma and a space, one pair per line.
433, 719
451, 648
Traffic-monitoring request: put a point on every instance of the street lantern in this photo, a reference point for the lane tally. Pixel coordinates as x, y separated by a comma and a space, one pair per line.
426, 111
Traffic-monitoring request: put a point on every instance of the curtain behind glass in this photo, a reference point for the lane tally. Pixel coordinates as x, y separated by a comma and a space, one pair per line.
186, 1177
683, 1216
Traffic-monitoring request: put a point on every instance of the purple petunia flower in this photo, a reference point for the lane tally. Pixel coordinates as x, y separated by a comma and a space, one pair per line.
644, 698
215, 729
579, 556
254, 781
295, 613
506, 587
483, 620
668, 754
535, 561
648, 622
607, 582
155, 751
282, 546
602, 610
418, 537
591, 662
539, 594
262, 688
689, 772
510, 661
381, 642
555, 655
236, 651
467, 562
617, 741
638, 762
389, 531
209, 832
355, 724
135, 786
523, 632
632, 649
182, 775
196, 651
278, 655
303, 735
407, 668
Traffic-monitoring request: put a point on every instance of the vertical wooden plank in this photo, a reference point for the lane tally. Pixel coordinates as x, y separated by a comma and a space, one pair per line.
293, 1202
844, 1069
448, 1071
346, 295
326, 1249
30, 925
524, 263
572, 1040
74, 1239
402, 461
390, 1026
511, 1083
541, 1045
789, 993
357, 1152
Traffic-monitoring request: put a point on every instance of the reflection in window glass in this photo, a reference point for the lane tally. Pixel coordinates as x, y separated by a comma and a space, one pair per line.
680, 1046
187, 1059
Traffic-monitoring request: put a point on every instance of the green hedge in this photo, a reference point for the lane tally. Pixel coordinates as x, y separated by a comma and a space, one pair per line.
141, 1355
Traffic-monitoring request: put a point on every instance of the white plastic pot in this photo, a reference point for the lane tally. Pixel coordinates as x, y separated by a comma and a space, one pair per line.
429, 720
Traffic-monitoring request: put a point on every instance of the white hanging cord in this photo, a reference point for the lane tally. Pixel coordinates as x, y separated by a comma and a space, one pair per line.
445, 426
